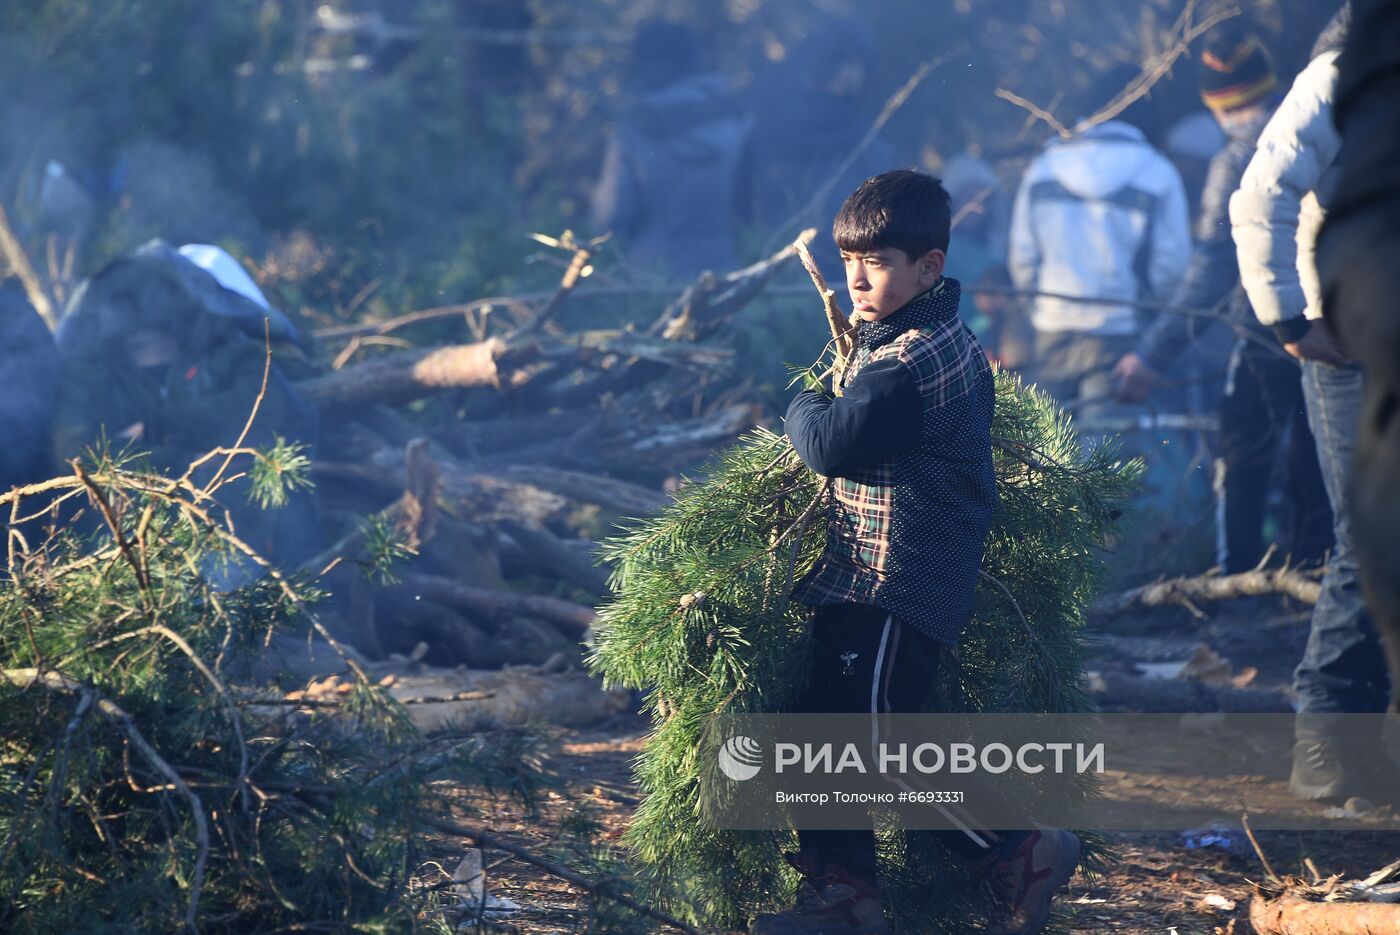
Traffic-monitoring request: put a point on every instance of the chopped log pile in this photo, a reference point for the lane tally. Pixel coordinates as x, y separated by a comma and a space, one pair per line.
496, 462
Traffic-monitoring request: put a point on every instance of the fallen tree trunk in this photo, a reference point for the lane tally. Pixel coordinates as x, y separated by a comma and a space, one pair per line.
1291, 914
573, 619
619, 496
1187, 592
547, 555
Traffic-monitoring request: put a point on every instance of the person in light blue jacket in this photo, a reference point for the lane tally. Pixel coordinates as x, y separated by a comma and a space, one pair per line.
1102, 217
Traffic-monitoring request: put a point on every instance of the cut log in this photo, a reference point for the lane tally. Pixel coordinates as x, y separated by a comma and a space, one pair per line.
546, 555
408, 374
616, 496
1186, 592
1290, 914
572, 619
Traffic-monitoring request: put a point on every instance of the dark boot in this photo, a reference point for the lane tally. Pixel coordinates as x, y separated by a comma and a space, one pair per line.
1024, 882
830, 902
1320, 770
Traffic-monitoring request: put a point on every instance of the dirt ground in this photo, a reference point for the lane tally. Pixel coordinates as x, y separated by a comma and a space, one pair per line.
1156, 884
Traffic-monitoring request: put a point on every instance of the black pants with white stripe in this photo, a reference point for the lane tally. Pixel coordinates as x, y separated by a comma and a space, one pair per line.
866, 660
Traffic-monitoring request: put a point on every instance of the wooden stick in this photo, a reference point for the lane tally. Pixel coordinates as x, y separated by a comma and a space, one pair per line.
842, 332
14, 254
1249, 833
570, 279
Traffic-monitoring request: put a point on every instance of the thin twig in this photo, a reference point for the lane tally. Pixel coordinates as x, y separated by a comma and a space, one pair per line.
213, 484
1158, 69
113, 523
577, 269
370, 340
1185, 31
1036, 111
1249, 833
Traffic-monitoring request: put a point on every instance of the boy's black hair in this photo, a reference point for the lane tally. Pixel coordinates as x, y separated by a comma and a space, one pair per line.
904, 209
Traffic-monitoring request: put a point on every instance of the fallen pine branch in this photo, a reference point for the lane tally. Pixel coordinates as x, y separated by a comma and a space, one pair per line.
120, 719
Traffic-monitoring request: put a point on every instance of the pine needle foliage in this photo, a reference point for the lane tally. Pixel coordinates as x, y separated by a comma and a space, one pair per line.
701, 622
142, 787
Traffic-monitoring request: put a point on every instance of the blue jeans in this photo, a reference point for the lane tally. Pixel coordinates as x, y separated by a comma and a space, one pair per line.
1343, 668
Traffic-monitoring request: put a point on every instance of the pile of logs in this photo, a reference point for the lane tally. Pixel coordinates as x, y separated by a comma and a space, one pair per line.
497, 462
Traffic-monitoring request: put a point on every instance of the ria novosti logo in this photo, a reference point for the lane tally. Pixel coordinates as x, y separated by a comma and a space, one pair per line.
740, 758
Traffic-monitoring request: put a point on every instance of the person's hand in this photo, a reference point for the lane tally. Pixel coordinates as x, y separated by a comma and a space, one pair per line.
1133, 379
1319, 345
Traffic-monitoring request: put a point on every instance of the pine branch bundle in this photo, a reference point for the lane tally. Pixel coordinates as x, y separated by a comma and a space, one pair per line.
700, 621
142, 789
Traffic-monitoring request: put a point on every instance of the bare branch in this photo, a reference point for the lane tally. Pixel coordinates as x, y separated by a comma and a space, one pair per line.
1212, 587
1036, 112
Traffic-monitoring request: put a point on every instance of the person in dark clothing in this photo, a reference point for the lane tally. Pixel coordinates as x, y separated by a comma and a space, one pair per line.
907, 443
30, 372
1262, 409
1359, 263
808, 110
667, 187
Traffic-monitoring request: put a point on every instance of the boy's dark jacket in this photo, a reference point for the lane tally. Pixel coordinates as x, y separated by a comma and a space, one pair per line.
909, 449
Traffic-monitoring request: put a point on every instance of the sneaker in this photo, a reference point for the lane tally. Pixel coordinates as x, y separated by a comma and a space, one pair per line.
833, 902
1024, 883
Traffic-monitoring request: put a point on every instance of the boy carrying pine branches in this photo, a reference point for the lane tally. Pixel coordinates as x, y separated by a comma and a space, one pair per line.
907, 444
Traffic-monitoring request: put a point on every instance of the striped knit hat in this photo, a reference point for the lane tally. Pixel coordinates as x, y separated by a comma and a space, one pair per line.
1236, 71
